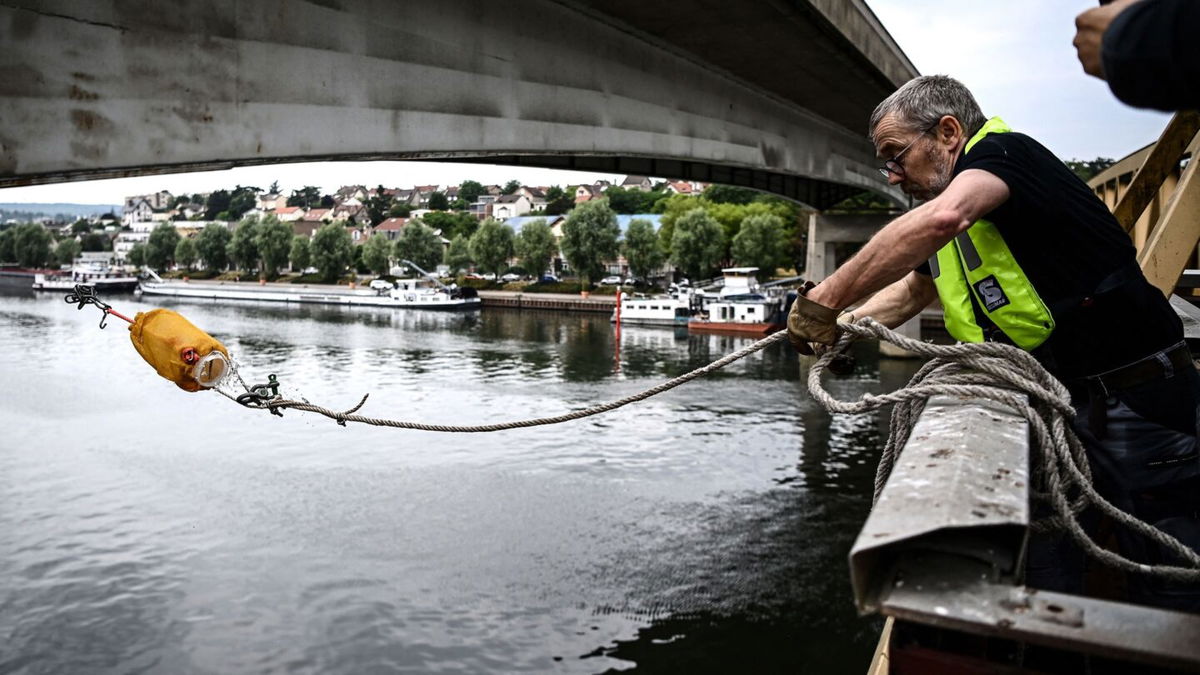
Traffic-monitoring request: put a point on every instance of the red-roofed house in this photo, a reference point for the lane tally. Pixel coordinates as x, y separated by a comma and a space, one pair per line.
391, 228
289, 214
323, 215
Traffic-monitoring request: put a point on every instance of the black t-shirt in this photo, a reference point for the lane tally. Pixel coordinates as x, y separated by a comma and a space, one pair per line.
1068, 243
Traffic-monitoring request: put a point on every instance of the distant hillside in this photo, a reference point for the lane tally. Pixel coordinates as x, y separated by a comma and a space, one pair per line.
66, 211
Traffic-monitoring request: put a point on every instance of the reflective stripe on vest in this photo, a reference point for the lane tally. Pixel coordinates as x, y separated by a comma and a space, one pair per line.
977, 272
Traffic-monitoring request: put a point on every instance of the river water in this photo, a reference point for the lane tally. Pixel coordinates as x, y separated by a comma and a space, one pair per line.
146, 529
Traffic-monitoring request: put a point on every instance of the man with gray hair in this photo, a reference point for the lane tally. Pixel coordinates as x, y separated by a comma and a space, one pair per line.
1019, 250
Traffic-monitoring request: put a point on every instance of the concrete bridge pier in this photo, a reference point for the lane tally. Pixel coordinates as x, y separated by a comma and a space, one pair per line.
825, 232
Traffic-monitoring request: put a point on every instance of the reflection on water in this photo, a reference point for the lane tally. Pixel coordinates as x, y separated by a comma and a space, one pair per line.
703, 530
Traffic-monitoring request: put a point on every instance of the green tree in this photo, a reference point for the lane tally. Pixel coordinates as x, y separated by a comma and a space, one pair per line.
451, 224
31, 244
160, 247
185, 253
241, 200
96, 241
419, 244
379, 205
642, 249
81, 226
274, 242
632, 201
356, 260
510, 187
697, 244
728, 194
1087, 169
470, 190
458, 255
376, 253
332, 251
217, 204
760, 243
67, 251
590, 238
536, 246
301, 253
491, 246
212, 246
274, 189
8, 251
558, 201
137, 255
307, 196
243, 245
438, 201
399, 210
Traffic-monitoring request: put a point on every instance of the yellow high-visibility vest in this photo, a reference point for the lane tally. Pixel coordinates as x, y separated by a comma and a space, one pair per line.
978, 265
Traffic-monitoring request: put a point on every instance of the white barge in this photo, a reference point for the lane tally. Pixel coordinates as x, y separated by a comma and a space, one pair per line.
407, 293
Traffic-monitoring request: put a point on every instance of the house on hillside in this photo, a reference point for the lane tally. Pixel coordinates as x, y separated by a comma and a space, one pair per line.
391, 228
359, 234
423, 192
322, 215
637, 183
535, 195
510, 206
290, 214
356, 194
482, 208
269, 201
137, 210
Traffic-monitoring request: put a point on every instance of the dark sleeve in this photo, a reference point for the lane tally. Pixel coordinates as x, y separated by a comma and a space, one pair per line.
924, 268
1150, 57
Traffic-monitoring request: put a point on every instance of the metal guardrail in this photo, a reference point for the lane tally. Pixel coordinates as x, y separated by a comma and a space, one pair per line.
943, 549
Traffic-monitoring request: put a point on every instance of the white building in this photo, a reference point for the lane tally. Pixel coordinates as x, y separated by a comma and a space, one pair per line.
511, 206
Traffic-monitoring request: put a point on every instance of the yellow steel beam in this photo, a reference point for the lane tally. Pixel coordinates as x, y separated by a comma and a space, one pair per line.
1174, 239
1162, 159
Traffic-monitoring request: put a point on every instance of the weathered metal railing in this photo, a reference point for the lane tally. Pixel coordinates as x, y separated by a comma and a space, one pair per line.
942, 553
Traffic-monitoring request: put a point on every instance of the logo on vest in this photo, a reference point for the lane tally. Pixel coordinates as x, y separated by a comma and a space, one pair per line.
990, 293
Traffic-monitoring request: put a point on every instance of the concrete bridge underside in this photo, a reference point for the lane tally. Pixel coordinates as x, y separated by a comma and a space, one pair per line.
768, 94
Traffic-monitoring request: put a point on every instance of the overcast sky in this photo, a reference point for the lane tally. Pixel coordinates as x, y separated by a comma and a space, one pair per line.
1016, 56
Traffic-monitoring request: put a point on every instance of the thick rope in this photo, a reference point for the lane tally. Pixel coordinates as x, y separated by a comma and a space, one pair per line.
1010, 376
347, 416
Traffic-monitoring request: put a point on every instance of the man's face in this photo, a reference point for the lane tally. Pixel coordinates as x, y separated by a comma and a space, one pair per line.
915, 159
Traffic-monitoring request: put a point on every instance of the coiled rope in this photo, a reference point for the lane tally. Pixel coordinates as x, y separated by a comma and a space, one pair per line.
1013, 377
991, 371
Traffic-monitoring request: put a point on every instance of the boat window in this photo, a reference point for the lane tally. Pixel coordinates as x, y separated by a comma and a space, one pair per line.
750, 310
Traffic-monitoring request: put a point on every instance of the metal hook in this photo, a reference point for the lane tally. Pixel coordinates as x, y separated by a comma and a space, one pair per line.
86, 295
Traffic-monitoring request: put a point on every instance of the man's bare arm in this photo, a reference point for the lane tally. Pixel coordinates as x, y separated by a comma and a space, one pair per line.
911, 239
899, 301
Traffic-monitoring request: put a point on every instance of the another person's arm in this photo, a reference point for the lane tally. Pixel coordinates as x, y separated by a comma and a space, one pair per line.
1146, 51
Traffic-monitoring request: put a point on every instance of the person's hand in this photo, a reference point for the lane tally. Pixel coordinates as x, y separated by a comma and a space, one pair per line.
810, 322
818, 349
1089, 34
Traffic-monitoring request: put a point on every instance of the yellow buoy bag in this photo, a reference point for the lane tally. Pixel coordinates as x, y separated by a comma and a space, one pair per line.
178, 350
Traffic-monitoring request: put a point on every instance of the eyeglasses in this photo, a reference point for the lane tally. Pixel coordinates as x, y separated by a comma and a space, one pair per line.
894, 165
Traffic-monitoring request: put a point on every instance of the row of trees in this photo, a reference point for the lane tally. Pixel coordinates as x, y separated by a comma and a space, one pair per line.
31, 245
696, 241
